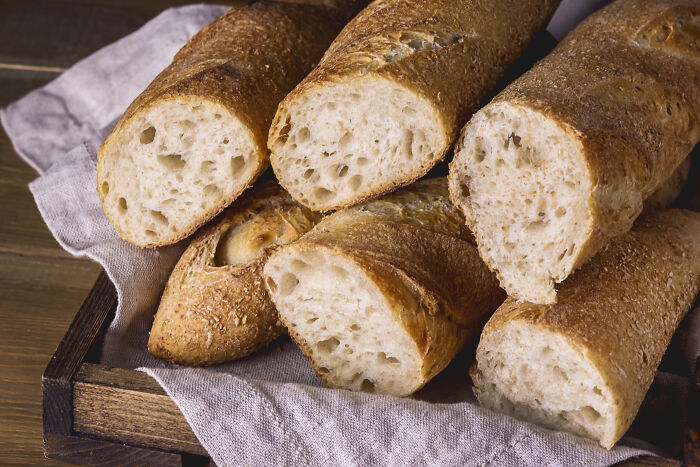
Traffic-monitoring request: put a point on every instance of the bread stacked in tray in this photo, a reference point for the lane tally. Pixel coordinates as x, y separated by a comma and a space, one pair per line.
545, 187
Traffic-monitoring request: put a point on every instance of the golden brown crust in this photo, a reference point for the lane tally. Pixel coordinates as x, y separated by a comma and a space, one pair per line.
622, 307
667, 193
211, 311
414, 247
247, 60
475, 43
626, 84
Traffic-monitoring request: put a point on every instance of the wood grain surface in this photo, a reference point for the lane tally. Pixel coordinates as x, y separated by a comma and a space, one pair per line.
42, 286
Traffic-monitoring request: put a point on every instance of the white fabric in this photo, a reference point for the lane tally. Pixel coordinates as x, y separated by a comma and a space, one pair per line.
269, 408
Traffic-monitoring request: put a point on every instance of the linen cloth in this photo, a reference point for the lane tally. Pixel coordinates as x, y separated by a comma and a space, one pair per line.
269, 408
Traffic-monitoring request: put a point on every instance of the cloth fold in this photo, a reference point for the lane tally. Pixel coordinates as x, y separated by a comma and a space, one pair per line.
269, 408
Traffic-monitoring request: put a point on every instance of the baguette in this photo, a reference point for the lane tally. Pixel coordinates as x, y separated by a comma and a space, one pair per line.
214, 307
196, 137
669, 191
562, 160
584, 364
381, 296
388, 98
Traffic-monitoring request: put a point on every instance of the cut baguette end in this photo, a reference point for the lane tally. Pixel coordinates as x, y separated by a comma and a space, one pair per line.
336, 144
521, 180
535, 375
342, 322
173, 165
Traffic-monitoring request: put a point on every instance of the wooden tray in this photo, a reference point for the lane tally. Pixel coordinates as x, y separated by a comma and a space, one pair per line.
97, 415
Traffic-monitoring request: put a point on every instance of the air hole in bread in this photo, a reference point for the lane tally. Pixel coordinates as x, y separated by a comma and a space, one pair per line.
207, 166
340, 272
327, 346
536, 225
171, 162
312, 320
148, 135
341, 170
322, 193
288, 283
211, 190
122, 204
299, 265
237, 164
158, 217
408, 144
105, 188
323, 369
308, 173
303, 135
362, 161
150, 233
590, 414
559, 373
560, 211
367, 386
345, 141
384, 360
355, 327
284, 132
355, 182
272, 285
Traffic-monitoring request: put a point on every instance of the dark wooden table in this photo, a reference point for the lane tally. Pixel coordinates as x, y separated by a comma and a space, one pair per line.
41, 286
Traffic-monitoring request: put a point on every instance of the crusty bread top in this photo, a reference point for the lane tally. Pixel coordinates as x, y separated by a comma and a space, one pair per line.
245, 61
622, 307
406, 232
215, 307
631, 93
249, 58
476, 39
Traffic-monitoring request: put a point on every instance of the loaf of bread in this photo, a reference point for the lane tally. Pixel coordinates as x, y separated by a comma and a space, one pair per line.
584, 364
381, 296
215, 307
669, 191
196, 137
388, 98
563, 159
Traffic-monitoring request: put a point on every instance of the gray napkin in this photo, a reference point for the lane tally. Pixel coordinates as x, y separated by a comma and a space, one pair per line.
269, 408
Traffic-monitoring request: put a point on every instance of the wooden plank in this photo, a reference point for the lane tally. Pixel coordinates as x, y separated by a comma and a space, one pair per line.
86, 451
38, 300
83, 334
129, 406
16, 83
57, 33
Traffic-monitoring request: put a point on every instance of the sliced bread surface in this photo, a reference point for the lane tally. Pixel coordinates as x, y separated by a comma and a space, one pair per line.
386, 101
195, 139
381, 296
584, 364
562, 161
